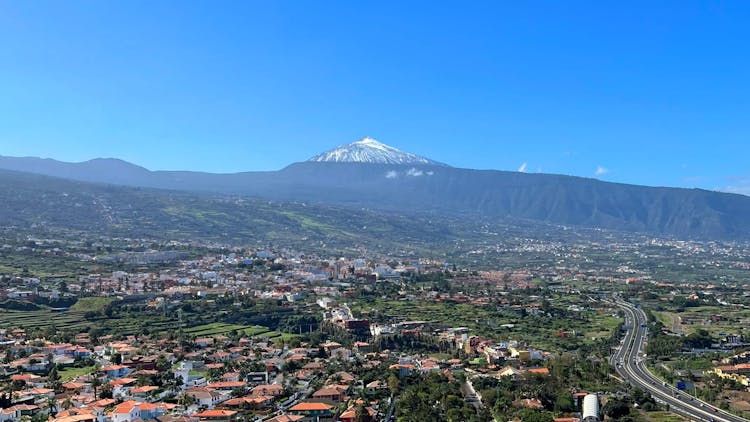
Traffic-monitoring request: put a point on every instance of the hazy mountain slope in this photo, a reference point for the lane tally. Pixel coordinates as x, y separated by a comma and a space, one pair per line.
549, 198
110, 170
488, 194
32, 200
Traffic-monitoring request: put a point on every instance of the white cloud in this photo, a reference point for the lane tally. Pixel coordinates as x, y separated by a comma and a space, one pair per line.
601, 171
742, 190
522, 169
693, 180
737, 184
391, 174
430, 173
414, 172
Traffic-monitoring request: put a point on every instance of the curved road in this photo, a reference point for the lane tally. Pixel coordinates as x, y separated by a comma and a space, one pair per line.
629, 363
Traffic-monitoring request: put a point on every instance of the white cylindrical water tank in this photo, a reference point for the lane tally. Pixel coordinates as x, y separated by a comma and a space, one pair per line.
590, 408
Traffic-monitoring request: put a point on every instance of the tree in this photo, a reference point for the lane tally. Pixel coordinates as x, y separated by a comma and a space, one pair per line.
186, 400
616, 408
700, 339
51, 406
531, 415
393, 384
162, 364
67, 403
53, 380
96, 383
143, 380
106, 391
17, 385
565, 403
5, 401
239, 392
360, 413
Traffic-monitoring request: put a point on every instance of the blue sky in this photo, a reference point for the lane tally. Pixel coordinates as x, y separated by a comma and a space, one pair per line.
654, 93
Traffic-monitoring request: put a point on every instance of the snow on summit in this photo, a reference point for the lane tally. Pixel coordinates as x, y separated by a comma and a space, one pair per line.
368, 150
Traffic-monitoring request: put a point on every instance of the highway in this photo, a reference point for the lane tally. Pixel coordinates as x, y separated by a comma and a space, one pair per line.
629, 361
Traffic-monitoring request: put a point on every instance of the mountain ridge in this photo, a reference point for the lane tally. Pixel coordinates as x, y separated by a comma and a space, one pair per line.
492, 195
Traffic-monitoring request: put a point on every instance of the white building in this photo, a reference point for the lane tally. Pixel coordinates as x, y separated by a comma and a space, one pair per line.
591, 408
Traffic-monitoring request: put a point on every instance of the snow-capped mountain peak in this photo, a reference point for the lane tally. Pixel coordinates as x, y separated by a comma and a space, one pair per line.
368, 150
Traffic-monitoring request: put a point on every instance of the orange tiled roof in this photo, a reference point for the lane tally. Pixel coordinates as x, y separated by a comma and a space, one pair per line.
101, 403
214, 413
310, 406
144, 389
125, 407
226, 384
123, 381
75, 418
286, 418
352, 412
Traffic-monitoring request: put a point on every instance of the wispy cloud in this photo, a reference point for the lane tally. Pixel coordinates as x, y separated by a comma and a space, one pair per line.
742, 190
737, 184
414, 172
391, 174
600, 170
522, 169
691, 180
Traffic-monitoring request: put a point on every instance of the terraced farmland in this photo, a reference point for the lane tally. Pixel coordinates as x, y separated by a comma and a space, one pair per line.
75, 321
218, 328
132, 326
41, 318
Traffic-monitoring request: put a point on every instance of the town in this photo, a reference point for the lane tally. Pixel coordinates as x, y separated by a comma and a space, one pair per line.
177, 332
347, 211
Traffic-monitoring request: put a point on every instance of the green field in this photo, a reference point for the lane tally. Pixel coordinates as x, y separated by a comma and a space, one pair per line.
602, 328
662, 416
69, 374
540, 332
666, 318
276, 335
219, 328
94, 304
733, 319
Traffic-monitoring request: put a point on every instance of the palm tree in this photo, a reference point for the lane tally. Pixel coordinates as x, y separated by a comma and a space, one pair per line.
186, 400
51, 406
95, 383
